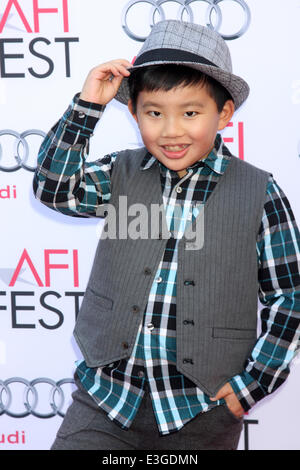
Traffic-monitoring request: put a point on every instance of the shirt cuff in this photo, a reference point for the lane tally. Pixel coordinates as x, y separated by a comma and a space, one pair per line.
247, 390
80, 120
87, 107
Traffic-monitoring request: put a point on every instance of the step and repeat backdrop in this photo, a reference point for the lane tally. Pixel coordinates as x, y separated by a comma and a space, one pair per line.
47, 47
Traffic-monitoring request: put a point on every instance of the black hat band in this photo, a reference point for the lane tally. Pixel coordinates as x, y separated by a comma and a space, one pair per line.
171, 55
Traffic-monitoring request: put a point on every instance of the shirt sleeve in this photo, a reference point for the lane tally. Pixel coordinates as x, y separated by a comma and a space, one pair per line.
64, 180
278, 250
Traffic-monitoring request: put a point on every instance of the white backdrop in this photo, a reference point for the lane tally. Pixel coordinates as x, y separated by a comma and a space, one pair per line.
47, 48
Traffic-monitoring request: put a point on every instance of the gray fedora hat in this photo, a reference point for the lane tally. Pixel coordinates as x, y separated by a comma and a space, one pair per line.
196, 46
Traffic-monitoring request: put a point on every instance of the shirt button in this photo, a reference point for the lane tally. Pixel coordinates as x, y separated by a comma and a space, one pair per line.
179, 189
81, 115
150, 326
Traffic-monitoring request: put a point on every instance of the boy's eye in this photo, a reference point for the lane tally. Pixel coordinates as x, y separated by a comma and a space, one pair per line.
190, 113
154, 113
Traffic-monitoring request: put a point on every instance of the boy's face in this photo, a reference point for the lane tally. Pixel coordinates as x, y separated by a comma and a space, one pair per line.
179, 126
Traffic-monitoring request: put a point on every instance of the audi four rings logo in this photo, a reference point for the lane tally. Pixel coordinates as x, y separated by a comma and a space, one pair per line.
18, 158
31, 397
213, 11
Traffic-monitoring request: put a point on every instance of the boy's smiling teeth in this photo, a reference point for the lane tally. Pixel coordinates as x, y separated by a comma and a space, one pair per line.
175, 148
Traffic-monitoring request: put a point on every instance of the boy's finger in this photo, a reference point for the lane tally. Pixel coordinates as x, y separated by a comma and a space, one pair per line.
124, 62
222, 393
123, 71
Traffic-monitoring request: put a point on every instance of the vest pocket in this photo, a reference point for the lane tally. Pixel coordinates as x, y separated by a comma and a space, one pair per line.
96, 328
233, 333
99, 300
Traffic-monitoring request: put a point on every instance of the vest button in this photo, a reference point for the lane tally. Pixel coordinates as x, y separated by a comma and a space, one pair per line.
189, 282
81, 115
147, 271
188, 361
150, 326
125, 345
179, 189
191, 246
135, 309
188, 322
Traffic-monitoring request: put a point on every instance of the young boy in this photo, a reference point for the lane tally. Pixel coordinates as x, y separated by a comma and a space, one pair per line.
168, 327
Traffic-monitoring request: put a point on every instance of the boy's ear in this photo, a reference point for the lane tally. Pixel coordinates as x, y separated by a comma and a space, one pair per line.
226, 114
130, 107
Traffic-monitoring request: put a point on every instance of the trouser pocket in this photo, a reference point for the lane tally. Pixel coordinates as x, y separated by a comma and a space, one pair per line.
234, 418
79, 414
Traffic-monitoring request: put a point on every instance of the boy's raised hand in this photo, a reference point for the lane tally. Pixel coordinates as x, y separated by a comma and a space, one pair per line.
103, 81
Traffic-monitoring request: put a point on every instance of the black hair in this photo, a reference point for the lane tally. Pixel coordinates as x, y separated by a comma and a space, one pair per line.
162, 77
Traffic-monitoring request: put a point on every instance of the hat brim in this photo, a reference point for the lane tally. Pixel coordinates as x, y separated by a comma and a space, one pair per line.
236, 86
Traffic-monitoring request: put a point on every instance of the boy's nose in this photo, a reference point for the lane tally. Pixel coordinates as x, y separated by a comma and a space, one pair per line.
172, 128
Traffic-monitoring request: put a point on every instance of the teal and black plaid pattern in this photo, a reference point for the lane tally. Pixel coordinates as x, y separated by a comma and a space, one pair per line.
67, 183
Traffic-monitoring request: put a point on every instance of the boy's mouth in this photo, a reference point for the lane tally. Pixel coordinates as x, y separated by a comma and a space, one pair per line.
175, 151
175, 148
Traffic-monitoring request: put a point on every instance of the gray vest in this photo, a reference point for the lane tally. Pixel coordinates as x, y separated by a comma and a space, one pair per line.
220, 303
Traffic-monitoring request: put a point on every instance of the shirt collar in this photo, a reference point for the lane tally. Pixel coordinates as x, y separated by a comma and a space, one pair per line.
217, 160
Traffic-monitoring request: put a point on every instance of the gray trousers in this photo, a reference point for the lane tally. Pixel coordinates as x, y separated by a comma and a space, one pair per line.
87, 427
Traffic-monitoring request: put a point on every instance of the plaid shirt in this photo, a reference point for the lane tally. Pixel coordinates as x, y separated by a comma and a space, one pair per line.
66, 182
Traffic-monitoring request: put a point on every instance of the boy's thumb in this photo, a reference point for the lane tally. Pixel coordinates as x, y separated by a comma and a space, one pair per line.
225, 390
215, 398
